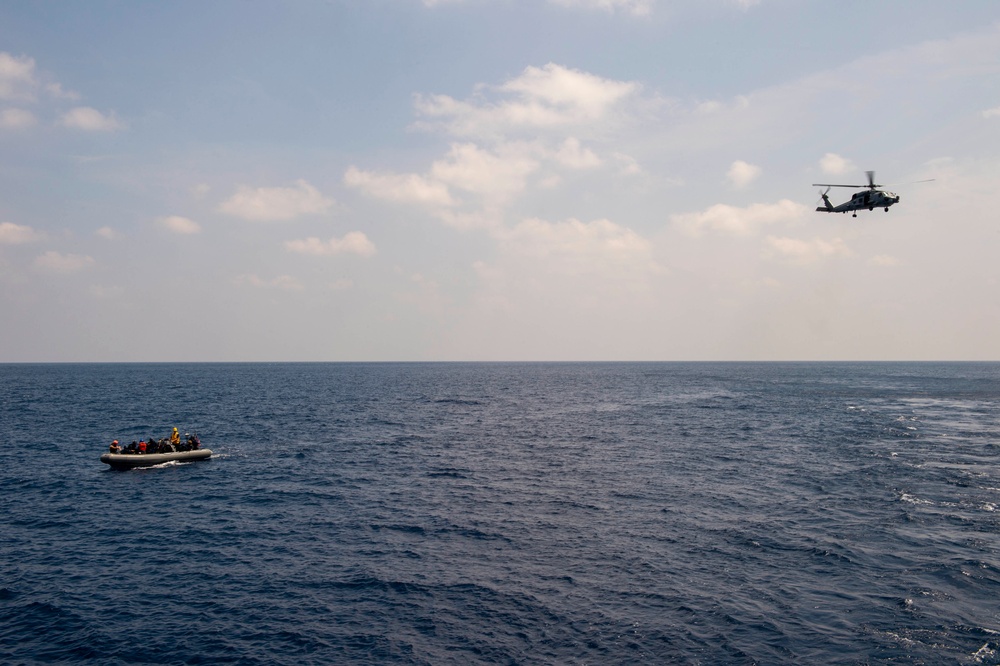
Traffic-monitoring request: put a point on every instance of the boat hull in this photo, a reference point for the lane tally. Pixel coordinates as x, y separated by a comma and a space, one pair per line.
132, 460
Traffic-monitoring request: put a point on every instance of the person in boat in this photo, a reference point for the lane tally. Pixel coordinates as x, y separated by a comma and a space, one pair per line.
193, 442
132, 448
175, 437
142, 447
115, 447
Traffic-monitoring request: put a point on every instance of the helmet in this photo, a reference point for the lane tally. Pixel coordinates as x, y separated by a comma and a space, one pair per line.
115, 442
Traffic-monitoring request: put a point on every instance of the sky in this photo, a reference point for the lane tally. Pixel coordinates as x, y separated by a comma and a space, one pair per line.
497, 180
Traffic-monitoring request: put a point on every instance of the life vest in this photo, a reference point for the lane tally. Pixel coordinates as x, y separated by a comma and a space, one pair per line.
142, 447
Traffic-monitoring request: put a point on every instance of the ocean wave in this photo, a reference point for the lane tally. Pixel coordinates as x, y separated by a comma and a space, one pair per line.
646, 513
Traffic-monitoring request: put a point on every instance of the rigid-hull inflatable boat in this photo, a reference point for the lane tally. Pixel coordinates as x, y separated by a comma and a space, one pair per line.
131, 460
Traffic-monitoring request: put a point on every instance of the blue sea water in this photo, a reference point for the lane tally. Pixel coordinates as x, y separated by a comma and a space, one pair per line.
504, 514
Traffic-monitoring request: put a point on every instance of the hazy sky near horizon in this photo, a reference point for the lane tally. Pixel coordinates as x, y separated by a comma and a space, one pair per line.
352, 180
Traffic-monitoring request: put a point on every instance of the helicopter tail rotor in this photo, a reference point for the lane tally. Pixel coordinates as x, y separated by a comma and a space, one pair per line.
826, 206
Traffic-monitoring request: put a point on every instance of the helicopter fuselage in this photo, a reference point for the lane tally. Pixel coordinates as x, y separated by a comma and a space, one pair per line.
866, 199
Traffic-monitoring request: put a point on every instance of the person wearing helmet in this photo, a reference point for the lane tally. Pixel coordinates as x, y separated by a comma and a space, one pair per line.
175, 437
115, 448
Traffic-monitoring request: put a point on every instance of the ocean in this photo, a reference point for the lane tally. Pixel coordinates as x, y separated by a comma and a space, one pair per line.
494, 513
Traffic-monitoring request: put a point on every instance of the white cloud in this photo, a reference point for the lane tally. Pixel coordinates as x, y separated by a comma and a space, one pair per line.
806, 252
283, 282
571, 154
992, 113
20, 81
573, 247
180, 225
741, 173
552, 101
628, 165
545, 97
90, 120
17, 77
56, 90
354, 242
884, 260
738, 221
16, 234
487, 218
562, 87
402, 188
709, 107
102, 292
276, 203
107, 233
16, 119
635, 7
835, 165
495, 175
55, 262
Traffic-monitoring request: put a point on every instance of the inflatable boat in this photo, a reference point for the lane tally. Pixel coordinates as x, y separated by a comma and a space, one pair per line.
131, 460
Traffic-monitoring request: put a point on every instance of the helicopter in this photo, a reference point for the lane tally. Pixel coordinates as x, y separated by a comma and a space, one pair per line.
870, 198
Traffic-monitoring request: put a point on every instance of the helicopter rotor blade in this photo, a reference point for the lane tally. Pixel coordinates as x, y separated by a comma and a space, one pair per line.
872, 185
909, 182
